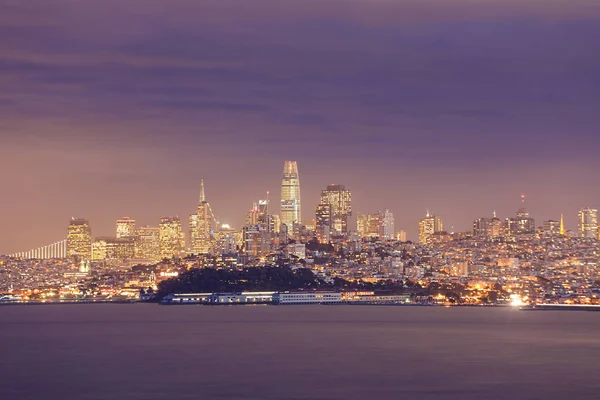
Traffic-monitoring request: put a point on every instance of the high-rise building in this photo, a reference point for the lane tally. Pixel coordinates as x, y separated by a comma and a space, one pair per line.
113, 249
494, 226
323, 222
202, 226
147, 244
171, 237
79, 240
125, 227
401, 236
387, 227
257, 240
551, 227
487, 227
481, 228
521, 225
227, 240
428, 226
290, 195
588, 223
340, 200
380, 225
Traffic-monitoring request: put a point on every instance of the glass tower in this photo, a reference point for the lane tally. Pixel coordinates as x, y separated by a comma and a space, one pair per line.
290, 195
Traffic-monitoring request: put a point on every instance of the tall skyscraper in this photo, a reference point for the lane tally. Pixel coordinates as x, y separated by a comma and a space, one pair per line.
323, 222
340, 200
481, 228
202, 226
588, 223
79, 240
227, 240
147, 244
171, 238
125, 227
290, 195
428, 226
387, 227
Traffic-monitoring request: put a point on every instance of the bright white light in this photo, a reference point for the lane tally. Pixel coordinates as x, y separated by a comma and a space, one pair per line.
515, 300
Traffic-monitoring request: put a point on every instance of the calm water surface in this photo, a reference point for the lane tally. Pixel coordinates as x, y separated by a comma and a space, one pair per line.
145, 351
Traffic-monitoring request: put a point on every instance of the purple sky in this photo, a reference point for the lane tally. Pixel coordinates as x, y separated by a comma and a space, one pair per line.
119, 107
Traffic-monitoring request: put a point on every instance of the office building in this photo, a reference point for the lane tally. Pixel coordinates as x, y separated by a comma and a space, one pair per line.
323, 221
171, 237
588, 223
340, 200
481, 227
551, 227
147, 244
400, 236
79, 240
113, 249
125, 227
378, 225
290, 195
428, 226
523, 224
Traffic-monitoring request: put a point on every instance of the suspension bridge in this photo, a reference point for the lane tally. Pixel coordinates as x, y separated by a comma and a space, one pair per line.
49, 252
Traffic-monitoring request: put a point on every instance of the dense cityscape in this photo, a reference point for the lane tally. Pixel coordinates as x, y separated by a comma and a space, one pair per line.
510, 261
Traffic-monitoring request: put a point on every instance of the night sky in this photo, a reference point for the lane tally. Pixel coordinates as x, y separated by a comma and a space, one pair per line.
119, 107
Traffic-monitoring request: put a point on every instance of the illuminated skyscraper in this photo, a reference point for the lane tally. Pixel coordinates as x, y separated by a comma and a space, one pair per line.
340, 200
125, 227
521, 225
147, 244
428, 226
588, 223
202, 225
387, 226
79, 240
171, 238
113, 249
494, 226
323, 222
379, 225
290, 195
227, 240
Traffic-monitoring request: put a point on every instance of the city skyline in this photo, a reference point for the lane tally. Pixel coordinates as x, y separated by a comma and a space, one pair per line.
128, 224
441, 106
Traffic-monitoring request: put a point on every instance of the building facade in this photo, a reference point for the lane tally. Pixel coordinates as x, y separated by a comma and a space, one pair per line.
202, 226
290, 195
171, 237
340, 200
79, 240
587, 223
147, 244
125, 227
428, 226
